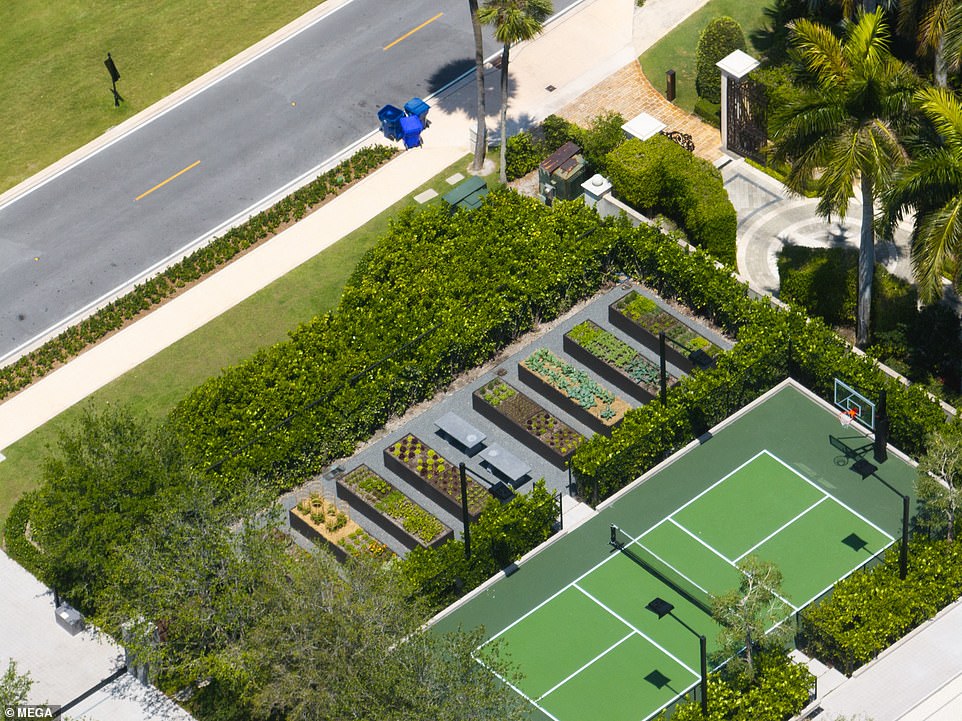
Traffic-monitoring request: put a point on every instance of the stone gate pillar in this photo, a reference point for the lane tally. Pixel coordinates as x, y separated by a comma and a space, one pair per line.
734, 67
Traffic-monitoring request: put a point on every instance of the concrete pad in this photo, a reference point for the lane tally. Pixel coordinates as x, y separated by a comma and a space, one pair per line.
426, 195
454, 179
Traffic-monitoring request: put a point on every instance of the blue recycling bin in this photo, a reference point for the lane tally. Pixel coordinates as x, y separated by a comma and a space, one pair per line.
390, 118
411, 128
419, 108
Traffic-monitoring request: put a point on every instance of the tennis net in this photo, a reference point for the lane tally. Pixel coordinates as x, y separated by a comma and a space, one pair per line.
661, 570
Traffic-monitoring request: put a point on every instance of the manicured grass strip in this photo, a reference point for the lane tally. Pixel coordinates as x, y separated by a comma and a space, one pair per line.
676, 50
158, 384
56, 91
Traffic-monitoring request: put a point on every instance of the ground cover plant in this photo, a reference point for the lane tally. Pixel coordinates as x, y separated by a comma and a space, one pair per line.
617, 354
391, 502
438, 472
557, 437
576, 385
647, 314
57, 93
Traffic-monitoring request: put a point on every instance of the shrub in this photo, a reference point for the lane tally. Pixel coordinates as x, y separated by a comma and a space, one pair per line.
722, 36
529, 148
708, 111
501, 535
659, 176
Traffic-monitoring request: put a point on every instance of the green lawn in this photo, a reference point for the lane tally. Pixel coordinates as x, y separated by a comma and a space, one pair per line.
56, 90
155, 386
676, 50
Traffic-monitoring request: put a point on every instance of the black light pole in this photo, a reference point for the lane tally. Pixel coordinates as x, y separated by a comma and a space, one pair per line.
664, 368
881, 429
661, 608
465, 518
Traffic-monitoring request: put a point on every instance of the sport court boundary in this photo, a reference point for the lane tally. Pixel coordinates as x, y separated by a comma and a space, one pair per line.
737, 415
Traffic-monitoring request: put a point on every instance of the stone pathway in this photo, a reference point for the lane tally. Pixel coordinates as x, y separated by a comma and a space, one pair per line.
629, 92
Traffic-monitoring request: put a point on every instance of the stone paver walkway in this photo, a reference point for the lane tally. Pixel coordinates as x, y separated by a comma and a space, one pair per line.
629, 92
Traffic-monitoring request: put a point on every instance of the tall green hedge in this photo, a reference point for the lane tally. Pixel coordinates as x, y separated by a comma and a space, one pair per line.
659, 176
438, 295
721, 37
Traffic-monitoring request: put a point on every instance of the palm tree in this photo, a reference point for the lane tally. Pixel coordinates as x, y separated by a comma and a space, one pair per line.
931, 184
481, 141
841, 127
514, 21
937, 27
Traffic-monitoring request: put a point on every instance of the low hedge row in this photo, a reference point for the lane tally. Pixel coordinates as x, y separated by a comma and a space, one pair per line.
778, 691
659, 176
219, 251
870, 610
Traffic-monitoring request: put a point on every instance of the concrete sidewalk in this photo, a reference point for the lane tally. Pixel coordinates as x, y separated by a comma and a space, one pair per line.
585, 45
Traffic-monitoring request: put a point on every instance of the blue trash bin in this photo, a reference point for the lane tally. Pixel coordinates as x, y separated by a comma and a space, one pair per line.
419, 108
411, 128
390, 118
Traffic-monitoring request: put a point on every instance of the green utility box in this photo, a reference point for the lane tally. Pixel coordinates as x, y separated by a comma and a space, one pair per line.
467, 194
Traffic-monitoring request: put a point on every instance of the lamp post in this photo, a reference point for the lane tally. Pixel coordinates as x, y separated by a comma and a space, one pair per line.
661, 608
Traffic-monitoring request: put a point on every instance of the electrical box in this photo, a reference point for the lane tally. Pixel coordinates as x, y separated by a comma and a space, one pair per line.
70, 619
563, 172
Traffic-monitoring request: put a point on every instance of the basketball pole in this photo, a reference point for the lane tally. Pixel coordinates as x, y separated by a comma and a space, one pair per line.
881, 429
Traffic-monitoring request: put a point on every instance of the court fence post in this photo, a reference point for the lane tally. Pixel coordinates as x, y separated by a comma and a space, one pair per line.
465, 516
664, 368
703, 648
904, 545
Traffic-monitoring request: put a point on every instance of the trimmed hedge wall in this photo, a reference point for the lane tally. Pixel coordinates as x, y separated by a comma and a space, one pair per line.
659, 176
721, 37
870, 610
438, 294
79, 337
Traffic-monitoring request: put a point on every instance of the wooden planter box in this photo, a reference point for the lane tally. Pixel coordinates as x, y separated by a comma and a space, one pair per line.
614, 374
678, 356
310, 532
434, 488
359, 499
548, 390
527, 412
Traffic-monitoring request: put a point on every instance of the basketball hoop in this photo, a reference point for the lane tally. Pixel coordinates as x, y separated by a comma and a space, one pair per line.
846, 417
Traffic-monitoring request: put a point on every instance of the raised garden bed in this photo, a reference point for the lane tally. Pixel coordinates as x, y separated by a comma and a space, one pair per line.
323, 522
391, 510
434, 476
519, 416
573, 389
614, 360
643, 320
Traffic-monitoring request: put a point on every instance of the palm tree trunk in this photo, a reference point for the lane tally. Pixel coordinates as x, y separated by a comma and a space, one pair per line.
941, 66
504, 113
866, 263
480, 143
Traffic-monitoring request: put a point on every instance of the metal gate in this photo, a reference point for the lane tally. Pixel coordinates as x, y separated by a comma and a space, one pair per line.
747, 115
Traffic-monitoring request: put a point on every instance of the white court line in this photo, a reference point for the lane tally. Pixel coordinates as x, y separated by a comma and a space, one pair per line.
843, 505
643, 635
785, 525
693, 583
517, 690
570, 676
707, 545
719, 481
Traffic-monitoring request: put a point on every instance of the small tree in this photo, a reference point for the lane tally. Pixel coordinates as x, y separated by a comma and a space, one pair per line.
750, 614
14, 686
720, 37
939, 483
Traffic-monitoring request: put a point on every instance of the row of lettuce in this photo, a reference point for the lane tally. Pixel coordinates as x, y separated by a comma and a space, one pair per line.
77, 338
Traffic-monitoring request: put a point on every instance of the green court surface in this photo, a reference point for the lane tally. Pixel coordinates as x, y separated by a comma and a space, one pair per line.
770, 481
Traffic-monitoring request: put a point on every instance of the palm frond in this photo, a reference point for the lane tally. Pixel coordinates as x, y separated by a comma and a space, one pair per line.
937, 239
942, 107
818, 50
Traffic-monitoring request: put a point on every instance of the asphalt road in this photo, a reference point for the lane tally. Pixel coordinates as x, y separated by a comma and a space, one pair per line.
89, 232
